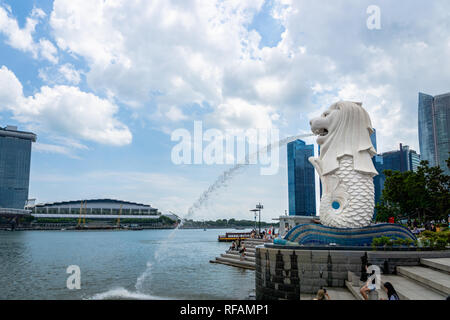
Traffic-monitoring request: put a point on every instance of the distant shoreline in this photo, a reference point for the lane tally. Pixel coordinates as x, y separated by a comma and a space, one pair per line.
111, 228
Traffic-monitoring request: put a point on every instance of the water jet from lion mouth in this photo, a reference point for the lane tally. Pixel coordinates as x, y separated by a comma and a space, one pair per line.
231, 173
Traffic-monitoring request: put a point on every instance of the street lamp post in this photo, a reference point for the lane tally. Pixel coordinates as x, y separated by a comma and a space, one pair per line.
255, 210
258, 209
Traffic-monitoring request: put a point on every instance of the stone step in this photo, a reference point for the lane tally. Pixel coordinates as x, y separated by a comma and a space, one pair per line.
247, 253
354, 290
255, 243
358, 296
434, 279
250, 245
235, 263
408, 289
248, 250
333, 293
441, 264
237, 257
340, 294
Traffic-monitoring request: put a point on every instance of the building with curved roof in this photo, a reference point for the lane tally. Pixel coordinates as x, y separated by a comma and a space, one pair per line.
95, 208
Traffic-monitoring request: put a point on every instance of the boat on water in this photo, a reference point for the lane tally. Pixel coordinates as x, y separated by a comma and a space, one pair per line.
232, 236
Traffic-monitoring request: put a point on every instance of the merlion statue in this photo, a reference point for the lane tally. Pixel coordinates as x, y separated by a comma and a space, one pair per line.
345, 165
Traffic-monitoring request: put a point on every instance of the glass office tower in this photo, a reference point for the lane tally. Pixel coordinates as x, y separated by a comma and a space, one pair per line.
301, 179
404, 159
15, 156
434, 127
414, 160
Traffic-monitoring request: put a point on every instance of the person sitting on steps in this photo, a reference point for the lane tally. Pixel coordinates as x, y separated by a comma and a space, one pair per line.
242, 252
391, 293
369, 286
322, 295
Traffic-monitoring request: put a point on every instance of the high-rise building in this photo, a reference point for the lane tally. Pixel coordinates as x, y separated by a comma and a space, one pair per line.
15, 156
434, 129
378, 180
301, 179
414, 160
373, 138
404, 159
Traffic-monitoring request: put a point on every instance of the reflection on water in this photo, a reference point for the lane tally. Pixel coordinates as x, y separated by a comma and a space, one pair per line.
147, 264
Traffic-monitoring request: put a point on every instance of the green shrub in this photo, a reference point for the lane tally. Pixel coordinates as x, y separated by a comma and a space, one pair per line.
389, 242
408, 242
435, 240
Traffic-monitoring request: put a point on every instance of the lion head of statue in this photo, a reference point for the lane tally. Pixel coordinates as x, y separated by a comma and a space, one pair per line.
344, 129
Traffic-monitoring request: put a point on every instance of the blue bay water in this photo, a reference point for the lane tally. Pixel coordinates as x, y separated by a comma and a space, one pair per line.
146, 264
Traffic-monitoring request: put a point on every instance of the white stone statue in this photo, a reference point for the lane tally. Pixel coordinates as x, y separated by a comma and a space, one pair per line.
345, 165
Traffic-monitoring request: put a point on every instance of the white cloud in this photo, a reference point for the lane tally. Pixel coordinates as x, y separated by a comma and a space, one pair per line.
64, 111
172, 55
177, 48
48, 51
175, 114
385, 69
10, 89
239, 114
69, 73
60, 74
22, 38
52, 148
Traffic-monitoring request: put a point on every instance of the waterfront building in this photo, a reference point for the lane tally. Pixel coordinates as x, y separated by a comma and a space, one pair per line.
95, 209
301, 179
434, 129
15, 157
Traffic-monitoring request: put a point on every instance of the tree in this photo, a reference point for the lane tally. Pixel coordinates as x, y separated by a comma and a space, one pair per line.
423, 194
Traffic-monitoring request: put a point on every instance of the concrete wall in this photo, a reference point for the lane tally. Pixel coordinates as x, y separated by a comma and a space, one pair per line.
285, 273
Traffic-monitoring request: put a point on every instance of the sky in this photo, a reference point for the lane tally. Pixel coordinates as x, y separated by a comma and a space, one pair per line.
104, 84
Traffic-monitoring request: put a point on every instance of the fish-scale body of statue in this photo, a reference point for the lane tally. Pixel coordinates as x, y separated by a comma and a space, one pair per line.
345, 165
350, 198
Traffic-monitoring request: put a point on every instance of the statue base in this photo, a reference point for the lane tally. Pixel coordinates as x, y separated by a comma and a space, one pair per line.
317, 234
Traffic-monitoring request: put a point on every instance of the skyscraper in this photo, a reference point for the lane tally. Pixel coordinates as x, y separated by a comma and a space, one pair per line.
15, 156
404, 159
373, 138
301, 179
434, 129
414, 160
